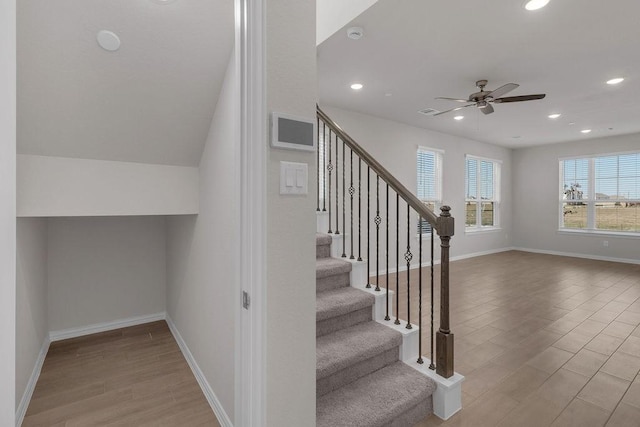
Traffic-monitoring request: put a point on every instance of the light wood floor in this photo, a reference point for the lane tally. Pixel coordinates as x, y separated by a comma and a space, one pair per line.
129, 377
542, 340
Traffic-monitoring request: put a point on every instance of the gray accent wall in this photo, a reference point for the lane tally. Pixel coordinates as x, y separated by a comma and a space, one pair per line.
535, 200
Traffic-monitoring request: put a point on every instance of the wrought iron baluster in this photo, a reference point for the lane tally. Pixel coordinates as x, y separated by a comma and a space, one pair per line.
408, 256
359, 207
344, 208
378, 220
324, 170
368, 223
386, 317
420, 361
330, 169
318, 168
352, 191
337, 187
432, 365
397, 321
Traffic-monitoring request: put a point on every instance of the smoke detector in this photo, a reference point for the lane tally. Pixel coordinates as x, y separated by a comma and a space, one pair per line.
108, 40
355, 33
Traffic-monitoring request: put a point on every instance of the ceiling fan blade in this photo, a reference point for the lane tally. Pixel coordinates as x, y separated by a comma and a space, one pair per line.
503, 90
454, 109
453, 99
487, 109
519, 98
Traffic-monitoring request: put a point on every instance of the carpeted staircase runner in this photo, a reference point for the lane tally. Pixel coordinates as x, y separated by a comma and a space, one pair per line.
360, 381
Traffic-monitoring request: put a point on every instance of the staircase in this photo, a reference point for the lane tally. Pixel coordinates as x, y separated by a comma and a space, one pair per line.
360, 379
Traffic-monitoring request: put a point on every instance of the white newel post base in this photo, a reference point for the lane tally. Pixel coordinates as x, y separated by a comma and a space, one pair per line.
322, 222
447, 399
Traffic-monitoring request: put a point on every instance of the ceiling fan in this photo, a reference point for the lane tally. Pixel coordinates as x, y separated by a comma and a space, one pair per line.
484, 99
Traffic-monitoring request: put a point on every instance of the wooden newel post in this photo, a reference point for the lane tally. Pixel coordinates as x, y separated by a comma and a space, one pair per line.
444, 337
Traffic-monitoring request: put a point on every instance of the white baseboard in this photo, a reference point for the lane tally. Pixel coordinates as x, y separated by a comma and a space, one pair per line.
31, 385
437, 261
102, 327
576, 255
215, 404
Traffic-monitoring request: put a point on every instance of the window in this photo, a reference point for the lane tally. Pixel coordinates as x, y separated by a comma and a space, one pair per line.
482, 193
601, 193
429, 168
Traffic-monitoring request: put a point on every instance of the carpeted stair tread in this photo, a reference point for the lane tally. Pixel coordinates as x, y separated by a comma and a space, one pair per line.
344, 348
375, 400
323, 239
337, 302
326, 267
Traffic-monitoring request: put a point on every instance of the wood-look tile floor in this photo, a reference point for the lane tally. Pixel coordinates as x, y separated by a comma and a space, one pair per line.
134, 376
542, 340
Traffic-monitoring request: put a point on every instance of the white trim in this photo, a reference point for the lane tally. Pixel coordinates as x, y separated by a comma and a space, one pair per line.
213, 400
489, 159
576, 255
250, 350
31, 385
481, 230
437, 261
603, 154
106, 326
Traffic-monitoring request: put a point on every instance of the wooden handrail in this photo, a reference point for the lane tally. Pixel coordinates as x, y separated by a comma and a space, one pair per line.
386, 176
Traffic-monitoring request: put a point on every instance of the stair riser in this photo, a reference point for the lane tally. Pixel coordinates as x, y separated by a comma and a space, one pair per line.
332, 282
323, 251
333, 324
414, 415
356, 371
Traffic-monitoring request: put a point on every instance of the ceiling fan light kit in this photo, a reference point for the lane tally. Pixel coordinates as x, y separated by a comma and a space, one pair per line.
483, 99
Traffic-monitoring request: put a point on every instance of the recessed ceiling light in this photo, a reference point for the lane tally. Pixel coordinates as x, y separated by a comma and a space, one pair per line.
615, 81
572, 123
535, 4
356, 86
458, 118
585, 130
108, 40
554, 115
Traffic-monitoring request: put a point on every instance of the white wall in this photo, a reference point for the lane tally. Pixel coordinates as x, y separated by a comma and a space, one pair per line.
7, 210
535, 200
291, 338
105, 269
203, 253
394, 145
58, 186
32, 323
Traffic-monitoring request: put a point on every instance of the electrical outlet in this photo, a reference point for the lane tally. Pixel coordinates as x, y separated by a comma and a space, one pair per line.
605, 243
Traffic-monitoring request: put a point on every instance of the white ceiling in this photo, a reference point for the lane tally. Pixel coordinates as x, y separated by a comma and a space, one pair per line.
417, 50
151, 101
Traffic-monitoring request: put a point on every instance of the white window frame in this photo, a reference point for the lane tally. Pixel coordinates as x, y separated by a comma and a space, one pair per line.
590, 200
497, 167
437, 201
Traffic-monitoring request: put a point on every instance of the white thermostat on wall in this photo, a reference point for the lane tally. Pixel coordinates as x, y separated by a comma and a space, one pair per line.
292, 132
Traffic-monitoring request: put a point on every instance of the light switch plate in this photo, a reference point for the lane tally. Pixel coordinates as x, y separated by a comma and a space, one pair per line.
294, 178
